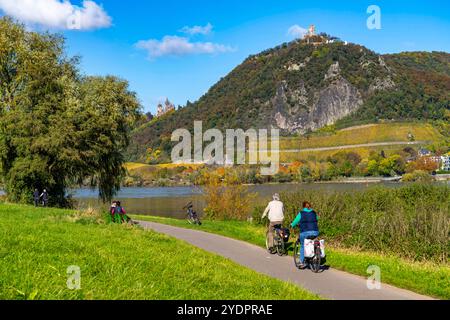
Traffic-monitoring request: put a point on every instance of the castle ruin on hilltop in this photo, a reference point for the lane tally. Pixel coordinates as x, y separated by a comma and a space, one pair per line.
317, 39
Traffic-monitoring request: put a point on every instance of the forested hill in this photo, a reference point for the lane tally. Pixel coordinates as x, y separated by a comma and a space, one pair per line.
299, 87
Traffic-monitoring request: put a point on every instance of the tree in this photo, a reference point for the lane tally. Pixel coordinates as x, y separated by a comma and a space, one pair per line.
427, 164
372, 167
57, 128
149, 116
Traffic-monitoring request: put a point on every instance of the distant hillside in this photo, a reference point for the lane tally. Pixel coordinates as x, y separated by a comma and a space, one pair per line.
299, 87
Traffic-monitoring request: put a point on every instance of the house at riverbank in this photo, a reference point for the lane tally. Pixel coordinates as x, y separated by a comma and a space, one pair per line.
445, 163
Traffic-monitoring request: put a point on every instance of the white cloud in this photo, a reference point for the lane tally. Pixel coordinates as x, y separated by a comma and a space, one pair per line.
198, 29
58, 14
180, 46
297, 32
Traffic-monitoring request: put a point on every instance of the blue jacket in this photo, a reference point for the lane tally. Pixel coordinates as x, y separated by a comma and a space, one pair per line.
307, 219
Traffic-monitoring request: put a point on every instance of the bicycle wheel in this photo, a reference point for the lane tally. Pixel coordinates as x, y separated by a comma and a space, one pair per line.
269, 248
316, 260
280, 246
297, 261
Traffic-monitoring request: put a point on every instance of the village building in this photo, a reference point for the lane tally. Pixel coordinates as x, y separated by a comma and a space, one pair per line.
445, 163
424, 153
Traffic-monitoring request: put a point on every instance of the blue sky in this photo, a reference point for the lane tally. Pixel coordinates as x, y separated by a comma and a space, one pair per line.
170, 62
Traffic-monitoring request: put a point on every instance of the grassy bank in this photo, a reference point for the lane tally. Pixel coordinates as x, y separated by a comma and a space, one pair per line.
426, 278
117, 262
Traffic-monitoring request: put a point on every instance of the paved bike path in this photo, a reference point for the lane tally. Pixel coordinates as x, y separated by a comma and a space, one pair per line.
331, 284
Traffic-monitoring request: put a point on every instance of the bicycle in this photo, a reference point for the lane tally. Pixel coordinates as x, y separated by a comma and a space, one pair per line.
192, 216
314, 263
280, 238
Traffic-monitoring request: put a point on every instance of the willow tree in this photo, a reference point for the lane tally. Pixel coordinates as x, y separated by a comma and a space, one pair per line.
58, 129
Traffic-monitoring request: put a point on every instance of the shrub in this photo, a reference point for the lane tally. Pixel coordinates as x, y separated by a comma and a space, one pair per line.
417, 176
227, 199
411, 221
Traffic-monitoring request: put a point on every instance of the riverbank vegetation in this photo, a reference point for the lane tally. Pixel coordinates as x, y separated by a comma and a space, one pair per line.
314, 165
338, 167
412, 222
403, 230
116, 262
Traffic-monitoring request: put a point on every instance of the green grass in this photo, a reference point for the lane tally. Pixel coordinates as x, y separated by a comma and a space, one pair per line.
117, 262
425, 278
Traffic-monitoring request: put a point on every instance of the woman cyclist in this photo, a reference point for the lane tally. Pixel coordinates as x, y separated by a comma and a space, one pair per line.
307, 220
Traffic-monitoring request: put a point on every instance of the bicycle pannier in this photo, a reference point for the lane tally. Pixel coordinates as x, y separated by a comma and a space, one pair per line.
309, 248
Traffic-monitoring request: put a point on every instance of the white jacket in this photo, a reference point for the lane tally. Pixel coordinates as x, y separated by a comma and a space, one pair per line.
275, 209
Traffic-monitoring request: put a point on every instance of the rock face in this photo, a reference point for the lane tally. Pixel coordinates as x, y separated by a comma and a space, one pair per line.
298, 108
330, 104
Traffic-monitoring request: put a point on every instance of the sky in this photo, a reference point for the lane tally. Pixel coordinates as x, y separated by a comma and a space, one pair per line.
178, 49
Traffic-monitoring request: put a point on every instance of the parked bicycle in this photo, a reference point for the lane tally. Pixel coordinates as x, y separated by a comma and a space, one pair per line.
280, 239
314, 256
192, 216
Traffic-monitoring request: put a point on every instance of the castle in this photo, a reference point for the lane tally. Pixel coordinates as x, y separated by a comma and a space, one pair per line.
168, 107
316, 40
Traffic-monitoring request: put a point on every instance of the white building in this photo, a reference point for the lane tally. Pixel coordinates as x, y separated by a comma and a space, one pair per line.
445, 163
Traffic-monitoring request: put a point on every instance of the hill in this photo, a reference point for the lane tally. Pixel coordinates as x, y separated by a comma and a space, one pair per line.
299, 87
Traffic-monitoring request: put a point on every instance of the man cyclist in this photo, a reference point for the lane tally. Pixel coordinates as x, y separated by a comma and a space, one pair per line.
275, 212
307, 220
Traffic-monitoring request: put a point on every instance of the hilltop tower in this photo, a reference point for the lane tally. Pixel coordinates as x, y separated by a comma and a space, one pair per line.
160, 110
168, 106
312, 30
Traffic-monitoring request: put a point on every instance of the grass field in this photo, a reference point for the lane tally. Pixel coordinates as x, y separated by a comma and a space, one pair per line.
388, 132
116, 262
425, 278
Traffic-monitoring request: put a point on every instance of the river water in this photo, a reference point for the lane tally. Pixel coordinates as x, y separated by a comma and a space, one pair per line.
168, 202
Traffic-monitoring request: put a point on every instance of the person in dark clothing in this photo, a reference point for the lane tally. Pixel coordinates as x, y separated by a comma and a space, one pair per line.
44, 197
36, 197
120, 215
112, 210
307, 220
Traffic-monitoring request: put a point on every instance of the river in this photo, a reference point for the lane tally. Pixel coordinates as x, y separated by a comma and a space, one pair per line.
169, 201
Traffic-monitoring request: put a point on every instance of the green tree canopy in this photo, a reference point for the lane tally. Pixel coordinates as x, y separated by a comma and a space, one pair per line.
58, 128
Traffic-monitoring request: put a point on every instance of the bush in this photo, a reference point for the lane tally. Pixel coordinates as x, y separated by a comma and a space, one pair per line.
411, 221
226, 198
417, 176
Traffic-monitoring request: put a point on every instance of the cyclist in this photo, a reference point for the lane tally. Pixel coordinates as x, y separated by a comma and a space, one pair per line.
275, 212
307, 220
